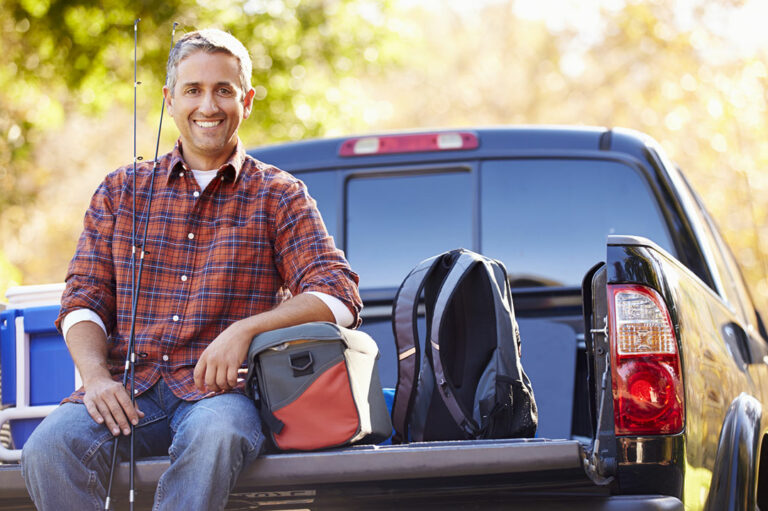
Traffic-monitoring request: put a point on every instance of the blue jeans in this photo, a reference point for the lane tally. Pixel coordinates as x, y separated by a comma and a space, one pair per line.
66, 460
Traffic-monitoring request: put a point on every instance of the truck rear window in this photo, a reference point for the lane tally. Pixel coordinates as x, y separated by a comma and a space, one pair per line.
546, 219
395, 221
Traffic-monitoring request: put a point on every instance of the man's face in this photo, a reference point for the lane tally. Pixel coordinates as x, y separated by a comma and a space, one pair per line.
208, 106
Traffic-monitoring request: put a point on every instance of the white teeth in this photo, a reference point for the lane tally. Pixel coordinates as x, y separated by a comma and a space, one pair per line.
207, 124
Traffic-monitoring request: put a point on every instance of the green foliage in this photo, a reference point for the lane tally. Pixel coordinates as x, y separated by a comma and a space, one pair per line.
664, 68
65, 59
322, 67
64, 56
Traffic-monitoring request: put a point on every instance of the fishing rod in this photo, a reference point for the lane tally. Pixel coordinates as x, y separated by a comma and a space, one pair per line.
130, 358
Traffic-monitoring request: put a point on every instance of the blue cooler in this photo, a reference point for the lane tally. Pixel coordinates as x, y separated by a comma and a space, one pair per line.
37, 369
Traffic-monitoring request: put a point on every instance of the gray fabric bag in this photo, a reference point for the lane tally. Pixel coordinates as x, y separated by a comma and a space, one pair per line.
317, 386
471, 383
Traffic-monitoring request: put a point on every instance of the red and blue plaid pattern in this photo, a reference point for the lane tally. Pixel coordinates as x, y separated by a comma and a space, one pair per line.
246, 243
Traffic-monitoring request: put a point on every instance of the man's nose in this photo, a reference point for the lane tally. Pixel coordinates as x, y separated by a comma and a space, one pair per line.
208, 105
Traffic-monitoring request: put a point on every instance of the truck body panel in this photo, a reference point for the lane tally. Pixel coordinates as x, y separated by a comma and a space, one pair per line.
571, 212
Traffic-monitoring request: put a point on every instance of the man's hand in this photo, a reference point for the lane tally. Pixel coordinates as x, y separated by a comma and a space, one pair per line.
106, 400
108, 403
218, 366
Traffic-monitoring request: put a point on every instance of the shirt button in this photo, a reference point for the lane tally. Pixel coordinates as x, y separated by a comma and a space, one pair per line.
135, 391
196, 194
166, 357
181, 174
183, 278
175, 317
191, 236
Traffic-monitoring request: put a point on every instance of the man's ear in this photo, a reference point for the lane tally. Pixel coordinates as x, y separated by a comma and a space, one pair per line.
248, 103
168, 99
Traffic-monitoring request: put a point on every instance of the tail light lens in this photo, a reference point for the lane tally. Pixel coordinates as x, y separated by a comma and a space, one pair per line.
647, 383
419, 142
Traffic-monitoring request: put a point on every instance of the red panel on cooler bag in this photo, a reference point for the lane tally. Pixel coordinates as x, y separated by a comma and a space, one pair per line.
324, 413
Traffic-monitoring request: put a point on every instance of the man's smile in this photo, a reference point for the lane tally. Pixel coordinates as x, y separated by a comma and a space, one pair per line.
208, 124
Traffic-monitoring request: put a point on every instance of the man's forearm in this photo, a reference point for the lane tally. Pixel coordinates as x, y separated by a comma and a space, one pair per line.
87, 344
106, 400
217, 368
303, 308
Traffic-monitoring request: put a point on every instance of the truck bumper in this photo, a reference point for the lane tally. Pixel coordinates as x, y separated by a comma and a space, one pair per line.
614, 503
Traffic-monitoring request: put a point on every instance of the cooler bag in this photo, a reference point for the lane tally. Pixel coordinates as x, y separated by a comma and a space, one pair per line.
317, 386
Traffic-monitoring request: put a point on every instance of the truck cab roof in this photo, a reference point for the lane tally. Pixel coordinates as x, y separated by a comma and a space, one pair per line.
491, 142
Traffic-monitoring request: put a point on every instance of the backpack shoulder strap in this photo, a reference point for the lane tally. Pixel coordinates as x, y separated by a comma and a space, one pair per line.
405, 328
507, 331
461, 267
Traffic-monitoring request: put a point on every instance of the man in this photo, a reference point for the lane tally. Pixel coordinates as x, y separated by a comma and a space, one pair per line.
234, 248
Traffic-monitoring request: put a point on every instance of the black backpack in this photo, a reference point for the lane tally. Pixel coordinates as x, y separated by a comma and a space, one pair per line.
471, 383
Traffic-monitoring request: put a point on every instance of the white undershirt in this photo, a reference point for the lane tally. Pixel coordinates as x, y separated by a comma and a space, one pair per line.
204, 177
341, 314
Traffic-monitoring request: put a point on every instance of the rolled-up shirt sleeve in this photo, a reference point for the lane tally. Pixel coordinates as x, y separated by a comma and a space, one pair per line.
341, 314
78, 316
90, 282
305, 254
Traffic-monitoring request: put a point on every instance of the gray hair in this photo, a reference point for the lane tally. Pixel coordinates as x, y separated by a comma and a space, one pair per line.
210, 40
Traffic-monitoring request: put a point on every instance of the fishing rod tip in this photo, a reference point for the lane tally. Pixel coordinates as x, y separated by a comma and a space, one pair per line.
136, 23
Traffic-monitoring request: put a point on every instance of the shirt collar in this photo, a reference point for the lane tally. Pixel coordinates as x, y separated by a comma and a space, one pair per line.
230, 171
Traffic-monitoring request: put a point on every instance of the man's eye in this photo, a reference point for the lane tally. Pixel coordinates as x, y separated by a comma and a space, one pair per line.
225, 91
191, 91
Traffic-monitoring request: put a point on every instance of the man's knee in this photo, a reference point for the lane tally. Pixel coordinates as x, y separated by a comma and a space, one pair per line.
47, 440
67, 435
214, 430
222, 437
37, 450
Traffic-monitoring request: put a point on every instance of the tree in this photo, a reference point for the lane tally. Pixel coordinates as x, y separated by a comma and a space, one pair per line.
654, 66
67, 74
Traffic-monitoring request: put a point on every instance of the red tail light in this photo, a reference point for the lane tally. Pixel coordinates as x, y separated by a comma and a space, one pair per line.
647, 383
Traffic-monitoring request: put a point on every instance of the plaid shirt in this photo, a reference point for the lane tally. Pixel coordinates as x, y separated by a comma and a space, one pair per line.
249, 241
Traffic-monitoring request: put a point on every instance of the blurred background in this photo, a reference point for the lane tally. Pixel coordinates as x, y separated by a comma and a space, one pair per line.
691, 73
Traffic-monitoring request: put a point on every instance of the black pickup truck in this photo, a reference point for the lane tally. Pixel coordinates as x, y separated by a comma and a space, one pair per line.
647, 355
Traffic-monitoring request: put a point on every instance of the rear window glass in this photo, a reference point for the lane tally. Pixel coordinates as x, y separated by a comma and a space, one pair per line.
548, 219
322, 187
395, 221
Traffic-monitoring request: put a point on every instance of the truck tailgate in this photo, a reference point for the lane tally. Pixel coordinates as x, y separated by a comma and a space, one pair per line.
466, 469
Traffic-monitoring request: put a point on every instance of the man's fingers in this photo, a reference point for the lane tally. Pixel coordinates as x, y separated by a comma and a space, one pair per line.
222, 378
128, 408
210, 379
93, 411
109, 421
108, 403
118, 414
232, 377
199, 373
214, 372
